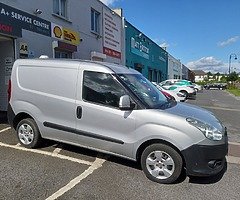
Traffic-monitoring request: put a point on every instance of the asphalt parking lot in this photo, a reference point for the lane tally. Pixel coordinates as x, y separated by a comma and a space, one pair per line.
59, 171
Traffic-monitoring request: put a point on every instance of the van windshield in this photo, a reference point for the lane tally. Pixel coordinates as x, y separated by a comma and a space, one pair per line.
145, 90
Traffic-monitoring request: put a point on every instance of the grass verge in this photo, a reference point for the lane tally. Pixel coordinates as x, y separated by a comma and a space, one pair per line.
234, 91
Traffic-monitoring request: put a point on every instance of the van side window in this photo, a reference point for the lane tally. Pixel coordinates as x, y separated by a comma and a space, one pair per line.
101, 88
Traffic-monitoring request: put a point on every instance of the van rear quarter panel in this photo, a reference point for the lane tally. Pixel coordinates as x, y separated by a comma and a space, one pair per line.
46, 92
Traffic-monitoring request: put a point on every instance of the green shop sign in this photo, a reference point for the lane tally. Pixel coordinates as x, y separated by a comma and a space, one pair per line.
139, 49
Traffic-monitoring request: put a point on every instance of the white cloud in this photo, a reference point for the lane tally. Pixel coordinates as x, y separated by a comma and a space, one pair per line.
164, 44
108, 2
228, 41
208, 64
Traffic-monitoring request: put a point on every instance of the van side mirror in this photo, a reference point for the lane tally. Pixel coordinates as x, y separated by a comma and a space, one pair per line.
125, 103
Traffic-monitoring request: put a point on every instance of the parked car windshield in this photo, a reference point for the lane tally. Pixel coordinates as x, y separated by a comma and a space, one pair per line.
145, 90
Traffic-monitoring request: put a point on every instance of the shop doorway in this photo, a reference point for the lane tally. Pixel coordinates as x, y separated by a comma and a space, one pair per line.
6, 62
138, 67
63, 54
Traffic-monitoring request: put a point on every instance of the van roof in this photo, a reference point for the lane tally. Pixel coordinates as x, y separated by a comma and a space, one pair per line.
67, 62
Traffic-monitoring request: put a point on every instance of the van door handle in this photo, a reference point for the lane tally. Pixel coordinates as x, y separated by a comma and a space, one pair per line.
79, 112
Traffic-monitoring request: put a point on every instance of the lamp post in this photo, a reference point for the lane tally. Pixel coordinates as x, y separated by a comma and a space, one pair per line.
235, 57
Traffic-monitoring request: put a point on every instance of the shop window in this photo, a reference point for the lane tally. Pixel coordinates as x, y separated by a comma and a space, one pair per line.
150, 74
159, 77
139, 69
95, 21
60, 8
154, 76
63, 54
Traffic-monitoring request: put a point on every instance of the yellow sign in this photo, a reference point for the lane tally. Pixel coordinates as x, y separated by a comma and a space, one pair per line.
65, 34
57, 32
71, 36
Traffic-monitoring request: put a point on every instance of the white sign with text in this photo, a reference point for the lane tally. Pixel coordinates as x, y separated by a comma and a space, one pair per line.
112, 26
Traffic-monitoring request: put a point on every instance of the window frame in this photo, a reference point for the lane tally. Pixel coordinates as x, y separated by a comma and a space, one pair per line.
60, 9
102, 104
95, 27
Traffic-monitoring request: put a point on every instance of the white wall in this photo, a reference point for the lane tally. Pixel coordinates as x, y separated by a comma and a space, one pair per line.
174, 68
79, 19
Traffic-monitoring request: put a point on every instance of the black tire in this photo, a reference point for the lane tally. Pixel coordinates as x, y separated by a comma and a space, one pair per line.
184, 92
32, 138
167, 151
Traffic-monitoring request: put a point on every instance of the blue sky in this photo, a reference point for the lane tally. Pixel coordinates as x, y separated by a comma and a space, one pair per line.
201, 33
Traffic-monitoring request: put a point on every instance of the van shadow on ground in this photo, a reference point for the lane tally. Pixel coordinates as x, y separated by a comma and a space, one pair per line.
3, 117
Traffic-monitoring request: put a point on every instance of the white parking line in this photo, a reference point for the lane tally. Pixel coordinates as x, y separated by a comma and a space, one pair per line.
5, 129
58, 149
234, 143
96, 164
220, 108
47, 153
18, 145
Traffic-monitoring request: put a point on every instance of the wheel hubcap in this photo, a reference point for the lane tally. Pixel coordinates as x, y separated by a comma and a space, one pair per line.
160, 164
25, 134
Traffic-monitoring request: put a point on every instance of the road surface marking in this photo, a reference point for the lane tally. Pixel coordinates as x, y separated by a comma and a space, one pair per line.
234, 143
219, 108
96, 164
233, 160
47, 153
18, 145
5, 129
58, 149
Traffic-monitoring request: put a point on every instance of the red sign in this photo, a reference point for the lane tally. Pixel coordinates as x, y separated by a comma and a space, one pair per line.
111, 53
66, 46
6, 28
10, 30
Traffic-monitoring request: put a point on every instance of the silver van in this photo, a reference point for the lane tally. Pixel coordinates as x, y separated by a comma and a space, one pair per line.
114, 109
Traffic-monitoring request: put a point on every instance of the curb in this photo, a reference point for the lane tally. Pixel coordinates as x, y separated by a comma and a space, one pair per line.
234, 149
233, 160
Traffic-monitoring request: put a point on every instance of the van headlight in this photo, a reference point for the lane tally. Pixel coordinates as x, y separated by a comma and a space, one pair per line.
209, 131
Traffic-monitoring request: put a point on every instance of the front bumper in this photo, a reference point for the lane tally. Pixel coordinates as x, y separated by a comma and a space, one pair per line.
205, 160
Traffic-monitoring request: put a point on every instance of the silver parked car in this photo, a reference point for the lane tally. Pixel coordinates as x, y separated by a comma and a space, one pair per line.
115, 110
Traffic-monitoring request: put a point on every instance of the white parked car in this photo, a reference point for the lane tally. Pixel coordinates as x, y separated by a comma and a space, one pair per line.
187, 90
178, 96
197, 87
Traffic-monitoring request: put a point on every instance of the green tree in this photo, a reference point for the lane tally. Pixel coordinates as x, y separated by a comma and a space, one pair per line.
209, 74
232, 77
223, 79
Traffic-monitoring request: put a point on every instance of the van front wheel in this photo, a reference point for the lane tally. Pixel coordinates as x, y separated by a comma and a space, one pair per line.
28, 133
161, 163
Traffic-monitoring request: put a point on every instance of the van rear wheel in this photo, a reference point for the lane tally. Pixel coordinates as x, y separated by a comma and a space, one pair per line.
161, 163
28, 133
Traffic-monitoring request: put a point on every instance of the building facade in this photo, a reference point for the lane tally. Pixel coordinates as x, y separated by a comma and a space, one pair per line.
144, 55
200, 75
174, 68
191, 75
75, 29
184, 72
